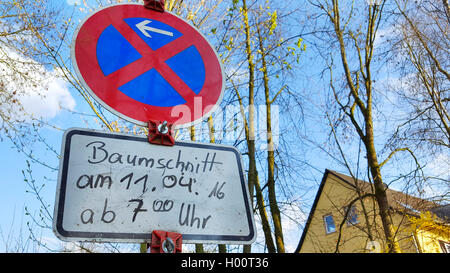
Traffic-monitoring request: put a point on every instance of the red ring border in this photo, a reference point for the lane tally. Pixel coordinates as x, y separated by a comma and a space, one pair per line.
86, 65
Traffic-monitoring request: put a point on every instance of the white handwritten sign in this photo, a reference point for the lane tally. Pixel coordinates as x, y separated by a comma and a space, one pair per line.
119, 188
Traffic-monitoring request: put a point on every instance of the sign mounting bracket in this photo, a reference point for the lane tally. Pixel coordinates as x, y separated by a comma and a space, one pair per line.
165, 242
160, 133
157, 5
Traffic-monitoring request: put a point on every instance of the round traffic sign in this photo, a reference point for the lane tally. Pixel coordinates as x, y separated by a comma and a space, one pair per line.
146, 65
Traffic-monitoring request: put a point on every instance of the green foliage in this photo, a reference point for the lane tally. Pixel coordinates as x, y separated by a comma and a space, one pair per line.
272, 22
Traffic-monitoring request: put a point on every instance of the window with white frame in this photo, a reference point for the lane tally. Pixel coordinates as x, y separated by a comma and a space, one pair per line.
445, 246
352, 216
330, 227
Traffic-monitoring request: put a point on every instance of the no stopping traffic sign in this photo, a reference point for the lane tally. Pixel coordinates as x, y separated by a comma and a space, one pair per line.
146, 65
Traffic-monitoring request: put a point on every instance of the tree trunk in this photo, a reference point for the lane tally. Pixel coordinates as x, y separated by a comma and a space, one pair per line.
380, 191
274, 209
264, 218
251, 115
259, 196
366, 110
446, 9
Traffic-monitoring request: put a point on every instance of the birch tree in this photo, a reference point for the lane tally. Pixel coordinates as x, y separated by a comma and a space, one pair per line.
422, 49
267, 54
355, 40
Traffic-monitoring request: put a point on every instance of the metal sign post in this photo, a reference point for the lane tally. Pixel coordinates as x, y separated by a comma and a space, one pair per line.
162, 241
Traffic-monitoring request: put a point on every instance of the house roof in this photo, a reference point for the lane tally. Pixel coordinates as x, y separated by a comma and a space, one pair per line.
442, 212
398, 201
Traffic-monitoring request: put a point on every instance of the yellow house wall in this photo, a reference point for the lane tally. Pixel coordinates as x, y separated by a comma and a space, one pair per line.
336, 195
428, 238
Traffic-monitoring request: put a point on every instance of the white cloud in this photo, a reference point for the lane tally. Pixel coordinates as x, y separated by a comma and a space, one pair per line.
440, 168
383, 36
293, 222
73, 2
47, 103
41, 92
